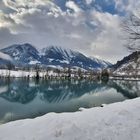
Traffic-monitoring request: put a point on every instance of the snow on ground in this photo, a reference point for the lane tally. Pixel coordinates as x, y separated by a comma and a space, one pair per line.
118, 121
125, 78
16, 73
32, 73
21, 73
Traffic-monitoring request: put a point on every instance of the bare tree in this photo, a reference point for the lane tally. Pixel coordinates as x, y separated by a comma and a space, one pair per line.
9, 67
79, 73
131, 27
69, 72
37, 69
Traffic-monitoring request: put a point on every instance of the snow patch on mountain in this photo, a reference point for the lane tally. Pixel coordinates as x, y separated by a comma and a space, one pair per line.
34, 62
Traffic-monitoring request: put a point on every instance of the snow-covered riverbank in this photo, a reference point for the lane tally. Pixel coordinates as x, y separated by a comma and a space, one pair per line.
112, 122
22, 73
124, 78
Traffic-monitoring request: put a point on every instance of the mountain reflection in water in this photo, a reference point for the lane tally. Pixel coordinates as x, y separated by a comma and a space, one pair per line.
21, 98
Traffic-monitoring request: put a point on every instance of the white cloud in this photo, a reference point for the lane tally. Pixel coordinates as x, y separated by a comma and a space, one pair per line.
25, 3
43, 23
89, 1
4, 20
108, 43
74, 35
5, 56
127, 5
72, 5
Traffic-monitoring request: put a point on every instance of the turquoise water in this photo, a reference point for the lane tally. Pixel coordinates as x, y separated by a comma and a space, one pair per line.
20, 99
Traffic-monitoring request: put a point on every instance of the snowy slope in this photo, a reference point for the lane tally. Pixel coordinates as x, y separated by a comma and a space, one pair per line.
129, 65
118, 121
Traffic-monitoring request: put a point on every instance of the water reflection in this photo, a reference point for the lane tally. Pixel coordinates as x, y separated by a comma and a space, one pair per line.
27, 98
129, 89
24, 91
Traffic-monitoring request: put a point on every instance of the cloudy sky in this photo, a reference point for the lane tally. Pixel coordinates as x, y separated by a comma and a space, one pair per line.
89, 26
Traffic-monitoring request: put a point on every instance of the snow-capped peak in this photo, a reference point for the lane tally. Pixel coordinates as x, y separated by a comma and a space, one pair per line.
66, 53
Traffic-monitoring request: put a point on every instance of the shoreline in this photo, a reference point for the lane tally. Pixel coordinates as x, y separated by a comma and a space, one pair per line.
4, 73
114, 121
124, 78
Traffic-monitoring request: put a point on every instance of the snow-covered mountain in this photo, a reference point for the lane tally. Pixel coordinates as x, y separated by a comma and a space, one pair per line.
62, 57
129, 65
24, 53
52, 56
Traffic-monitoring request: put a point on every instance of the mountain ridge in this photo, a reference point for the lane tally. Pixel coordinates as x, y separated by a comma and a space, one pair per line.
27, 54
